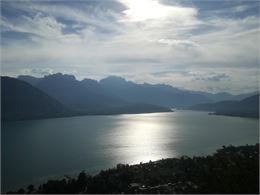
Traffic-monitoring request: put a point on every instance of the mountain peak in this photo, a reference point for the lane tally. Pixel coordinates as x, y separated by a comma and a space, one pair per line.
89, 81
29, 79
113, 79
60, 76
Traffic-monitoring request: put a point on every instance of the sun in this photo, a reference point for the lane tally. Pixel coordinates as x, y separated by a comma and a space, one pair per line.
140, 10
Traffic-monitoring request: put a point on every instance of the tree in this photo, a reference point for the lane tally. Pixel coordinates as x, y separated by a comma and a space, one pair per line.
30, 189
82, 181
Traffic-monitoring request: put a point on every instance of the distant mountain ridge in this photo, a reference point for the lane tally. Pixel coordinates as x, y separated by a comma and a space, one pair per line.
163, 95
127, 91
248, 107
223, 96
83, 95
61, 96
114, 88
115, 95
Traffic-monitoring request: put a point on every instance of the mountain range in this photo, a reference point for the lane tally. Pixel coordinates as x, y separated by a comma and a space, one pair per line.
64, 95
59, 96
160, 94
248, 107
223, 96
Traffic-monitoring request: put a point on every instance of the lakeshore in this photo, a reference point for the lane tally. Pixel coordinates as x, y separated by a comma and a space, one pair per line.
229, 170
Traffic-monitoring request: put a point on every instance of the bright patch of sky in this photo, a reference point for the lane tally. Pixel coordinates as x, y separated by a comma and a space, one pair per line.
200, 45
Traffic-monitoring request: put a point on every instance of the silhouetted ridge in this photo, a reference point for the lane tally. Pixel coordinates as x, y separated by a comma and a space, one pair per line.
224, 96
29, 79
117, 91
115, 82
82, 96
115, 95
248, 107
20, 100
159, 94
62, 95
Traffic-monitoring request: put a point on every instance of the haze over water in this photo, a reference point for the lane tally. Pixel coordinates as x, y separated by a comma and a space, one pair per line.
34, 151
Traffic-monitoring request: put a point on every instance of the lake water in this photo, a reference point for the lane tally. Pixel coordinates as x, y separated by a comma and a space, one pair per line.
37, 150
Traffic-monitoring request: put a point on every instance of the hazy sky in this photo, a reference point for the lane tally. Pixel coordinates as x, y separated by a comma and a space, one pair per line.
201, 45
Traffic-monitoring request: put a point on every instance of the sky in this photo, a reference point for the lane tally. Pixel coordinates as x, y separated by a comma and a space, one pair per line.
201, 45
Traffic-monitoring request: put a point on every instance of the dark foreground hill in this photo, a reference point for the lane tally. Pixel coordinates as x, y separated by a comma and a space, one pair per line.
231, 170
20, 100
248, 107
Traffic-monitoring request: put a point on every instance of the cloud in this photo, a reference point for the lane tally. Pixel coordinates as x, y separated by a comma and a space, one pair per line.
186, 44
44, 26
79, 14
98, 38
241, 8
37, 72
237, 9
205, 80
140, 11
214, 78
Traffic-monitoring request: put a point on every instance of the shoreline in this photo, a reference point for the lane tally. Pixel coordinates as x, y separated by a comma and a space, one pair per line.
133, 177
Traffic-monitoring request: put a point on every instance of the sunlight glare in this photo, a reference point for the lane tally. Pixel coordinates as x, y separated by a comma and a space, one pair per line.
143, 138
140, 10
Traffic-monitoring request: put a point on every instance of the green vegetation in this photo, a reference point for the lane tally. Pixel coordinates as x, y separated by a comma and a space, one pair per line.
230, 170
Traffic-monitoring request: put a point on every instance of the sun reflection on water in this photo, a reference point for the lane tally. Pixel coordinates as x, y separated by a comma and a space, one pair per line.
141, 138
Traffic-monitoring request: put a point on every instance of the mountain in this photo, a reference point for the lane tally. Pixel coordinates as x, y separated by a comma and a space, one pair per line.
87, 96
116, 91
84, 95
29, 79
114, 94
248, 107
163, 95
223, 96
20, 100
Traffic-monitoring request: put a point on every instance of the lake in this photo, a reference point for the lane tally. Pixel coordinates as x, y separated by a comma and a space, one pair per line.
37, 150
